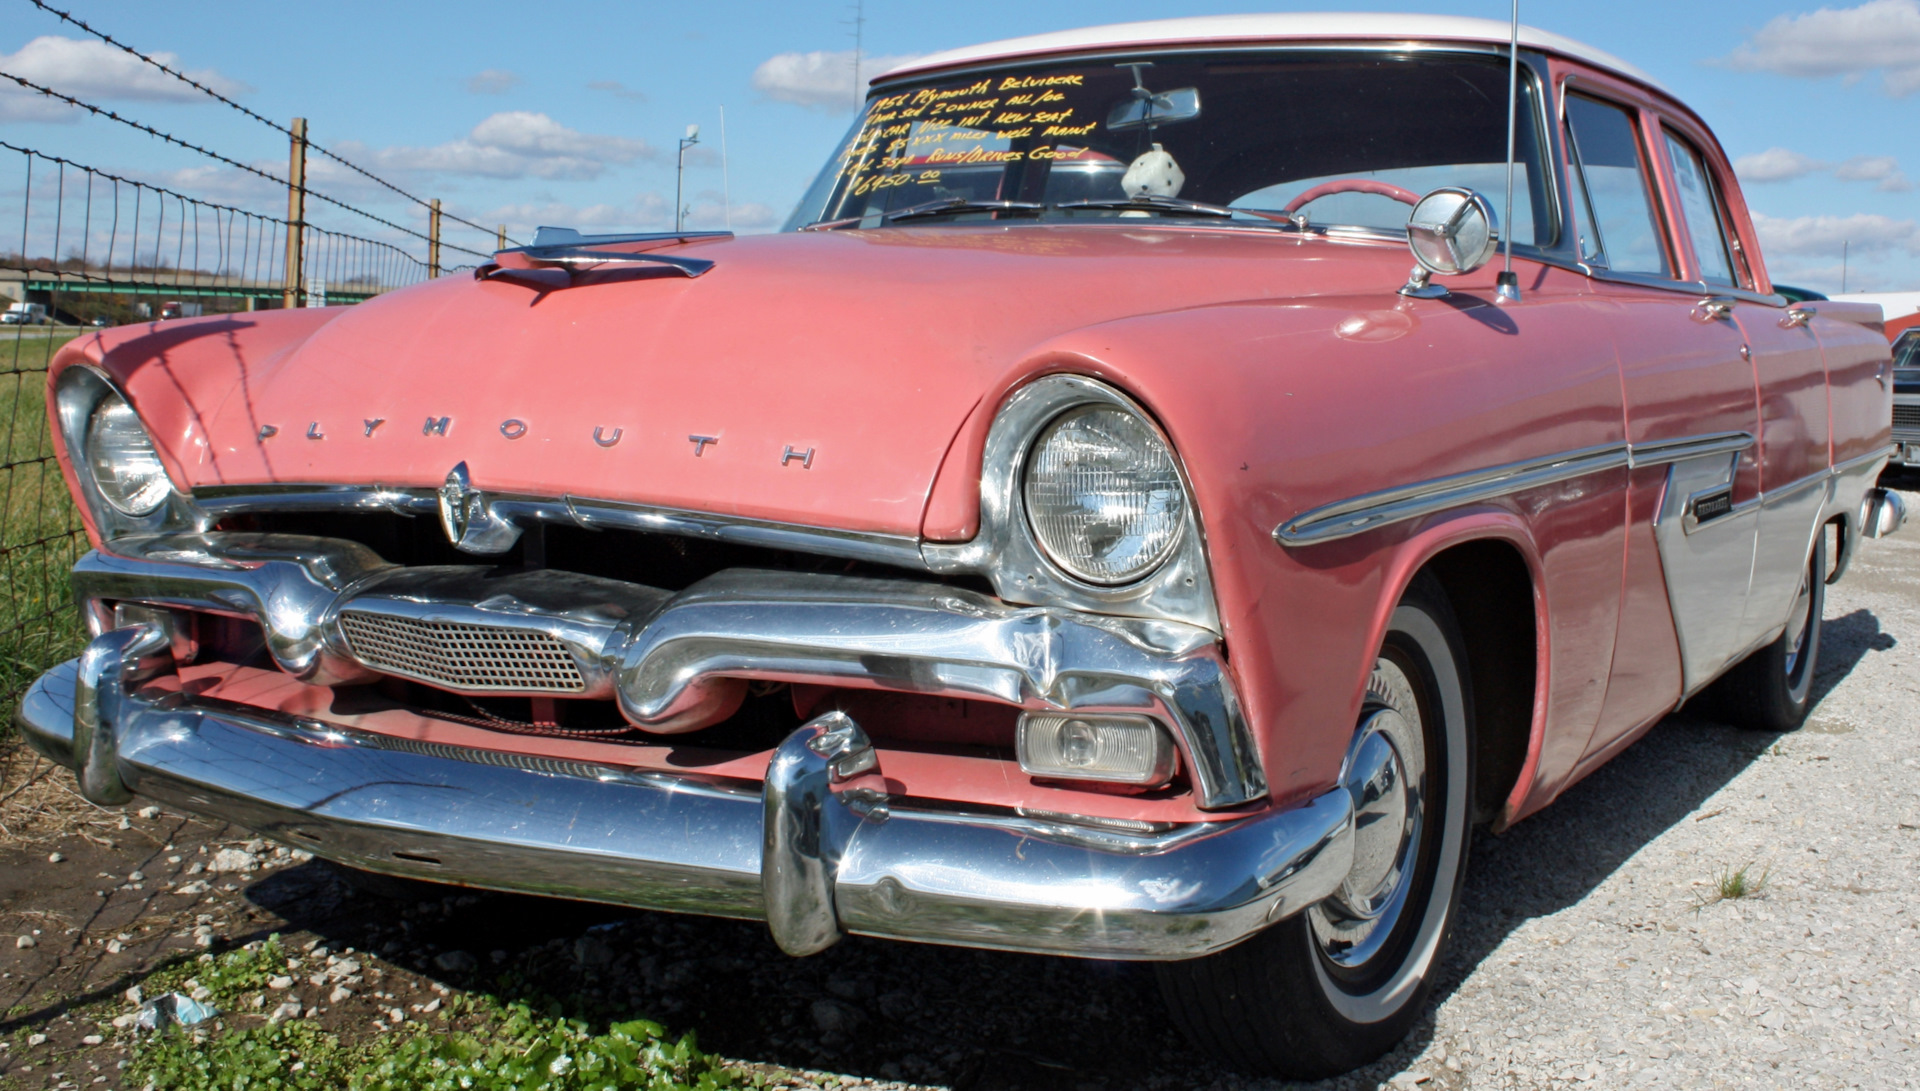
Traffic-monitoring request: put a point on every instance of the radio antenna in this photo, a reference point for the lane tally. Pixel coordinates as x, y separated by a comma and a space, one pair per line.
1507, 285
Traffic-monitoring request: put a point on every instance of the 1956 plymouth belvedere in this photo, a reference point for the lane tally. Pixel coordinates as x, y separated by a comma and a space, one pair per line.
1077, 532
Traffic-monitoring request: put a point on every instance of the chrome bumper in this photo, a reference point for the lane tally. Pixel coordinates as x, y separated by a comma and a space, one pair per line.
670, 659
814, 854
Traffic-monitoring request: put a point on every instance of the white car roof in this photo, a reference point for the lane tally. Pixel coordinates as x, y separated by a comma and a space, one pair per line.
1234, 29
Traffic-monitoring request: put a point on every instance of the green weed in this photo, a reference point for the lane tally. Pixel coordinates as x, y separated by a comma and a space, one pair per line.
515, 1049
1735, 884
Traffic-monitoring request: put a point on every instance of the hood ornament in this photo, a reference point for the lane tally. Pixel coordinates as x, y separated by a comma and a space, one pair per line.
469, 519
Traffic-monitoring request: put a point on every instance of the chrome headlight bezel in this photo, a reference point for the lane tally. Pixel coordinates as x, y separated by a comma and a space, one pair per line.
78, 394
1005, 551
1058, 542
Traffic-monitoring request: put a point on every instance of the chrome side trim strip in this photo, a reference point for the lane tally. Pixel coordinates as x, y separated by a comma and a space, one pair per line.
1664, 451
910, 870
1346, 518
900, 551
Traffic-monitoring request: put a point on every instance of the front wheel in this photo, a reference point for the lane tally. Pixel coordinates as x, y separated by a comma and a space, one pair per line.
1338, 985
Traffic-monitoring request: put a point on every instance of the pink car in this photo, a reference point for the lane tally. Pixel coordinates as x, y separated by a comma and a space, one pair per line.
1077, 532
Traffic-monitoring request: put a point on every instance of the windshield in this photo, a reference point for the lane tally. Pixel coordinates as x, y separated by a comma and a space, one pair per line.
1349, 138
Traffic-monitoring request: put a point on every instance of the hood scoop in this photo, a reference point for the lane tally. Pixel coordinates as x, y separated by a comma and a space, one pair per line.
565, 248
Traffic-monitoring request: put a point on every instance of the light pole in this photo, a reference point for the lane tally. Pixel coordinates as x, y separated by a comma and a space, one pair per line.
680, 174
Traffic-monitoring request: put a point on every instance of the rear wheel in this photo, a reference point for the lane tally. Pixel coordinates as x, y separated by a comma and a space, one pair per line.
1772, 689
1337, 986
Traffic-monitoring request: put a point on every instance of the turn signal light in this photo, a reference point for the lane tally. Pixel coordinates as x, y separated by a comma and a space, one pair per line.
1115, 749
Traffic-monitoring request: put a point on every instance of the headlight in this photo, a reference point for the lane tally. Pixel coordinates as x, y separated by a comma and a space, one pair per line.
1103, 495
126, 469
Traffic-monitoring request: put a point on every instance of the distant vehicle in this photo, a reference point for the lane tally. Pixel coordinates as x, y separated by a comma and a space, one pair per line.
101, 322
25, 314
1906, 396
177, 309
1902, 327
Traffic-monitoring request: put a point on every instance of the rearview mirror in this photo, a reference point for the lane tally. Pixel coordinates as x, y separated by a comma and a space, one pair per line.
1165, 108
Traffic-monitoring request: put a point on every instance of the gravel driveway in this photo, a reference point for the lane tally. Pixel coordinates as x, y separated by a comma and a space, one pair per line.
1592, 949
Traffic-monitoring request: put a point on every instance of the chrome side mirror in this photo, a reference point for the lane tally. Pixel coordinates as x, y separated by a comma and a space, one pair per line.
1451, 232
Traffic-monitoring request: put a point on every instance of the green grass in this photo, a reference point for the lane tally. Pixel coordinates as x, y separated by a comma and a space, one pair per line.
40, 534
483, 1044
1737, 883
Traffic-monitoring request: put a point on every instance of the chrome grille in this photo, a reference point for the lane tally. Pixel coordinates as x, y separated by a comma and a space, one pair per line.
1906, 416
478, 658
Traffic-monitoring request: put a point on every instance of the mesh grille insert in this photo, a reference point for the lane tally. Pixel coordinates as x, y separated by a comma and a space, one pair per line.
1906, 416
462, 657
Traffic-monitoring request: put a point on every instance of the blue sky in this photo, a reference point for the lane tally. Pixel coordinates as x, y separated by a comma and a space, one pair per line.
569, 114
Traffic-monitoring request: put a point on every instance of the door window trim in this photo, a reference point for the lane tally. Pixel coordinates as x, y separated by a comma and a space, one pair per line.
1582, 84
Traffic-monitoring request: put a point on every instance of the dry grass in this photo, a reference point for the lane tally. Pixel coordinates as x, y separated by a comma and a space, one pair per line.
38, 803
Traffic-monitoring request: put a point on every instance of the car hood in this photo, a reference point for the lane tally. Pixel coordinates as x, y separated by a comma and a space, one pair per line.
829, 372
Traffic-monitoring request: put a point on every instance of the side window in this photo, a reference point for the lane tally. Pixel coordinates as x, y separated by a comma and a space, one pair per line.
1906, 351
1612, 202
1701, 209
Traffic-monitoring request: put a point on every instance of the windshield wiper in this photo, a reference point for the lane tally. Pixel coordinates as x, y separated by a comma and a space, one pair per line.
1150, 203
960, 204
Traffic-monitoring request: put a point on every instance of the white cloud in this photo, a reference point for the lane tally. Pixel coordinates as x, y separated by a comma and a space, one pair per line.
1861, 233
821, 80
519, 144
1883, 169
1775, 165
1786, 165
94, 71
1880, 34
494, 81
617, 90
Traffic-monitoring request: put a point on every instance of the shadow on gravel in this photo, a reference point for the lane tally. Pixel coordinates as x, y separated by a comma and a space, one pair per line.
981, 1020
1557, 857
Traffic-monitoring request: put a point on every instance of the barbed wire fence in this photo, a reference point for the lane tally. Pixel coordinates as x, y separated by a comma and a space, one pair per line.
95, 247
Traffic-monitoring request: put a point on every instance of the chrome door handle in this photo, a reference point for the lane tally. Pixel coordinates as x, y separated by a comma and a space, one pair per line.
1713, 308
1796, 318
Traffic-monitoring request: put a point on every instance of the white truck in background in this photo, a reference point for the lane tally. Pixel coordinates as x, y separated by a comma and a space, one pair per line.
25, 314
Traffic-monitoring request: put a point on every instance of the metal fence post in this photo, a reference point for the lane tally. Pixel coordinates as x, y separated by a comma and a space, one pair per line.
296, 213
433, 239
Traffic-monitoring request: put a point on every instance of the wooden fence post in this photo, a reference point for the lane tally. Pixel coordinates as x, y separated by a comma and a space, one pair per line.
500, 240
433, 239
296, 213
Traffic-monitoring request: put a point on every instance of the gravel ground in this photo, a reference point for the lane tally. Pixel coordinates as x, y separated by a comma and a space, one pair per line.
1593, 948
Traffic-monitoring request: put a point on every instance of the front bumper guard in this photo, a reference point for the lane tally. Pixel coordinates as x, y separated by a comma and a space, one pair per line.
814, 854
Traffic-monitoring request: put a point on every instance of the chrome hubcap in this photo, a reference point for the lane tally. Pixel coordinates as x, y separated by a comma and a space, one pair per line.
1385, 768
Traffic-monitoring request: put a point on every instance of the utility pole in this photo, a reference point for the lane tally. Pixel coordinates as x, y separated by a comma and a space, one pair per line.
1844, 245
296, 212
859, 43
433, 238
726, 180
680, 177
500, 240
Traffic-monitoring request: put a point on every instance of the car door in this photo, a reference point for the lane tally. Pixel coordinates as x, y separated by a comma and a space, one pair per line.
1691, 418
1790, 381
